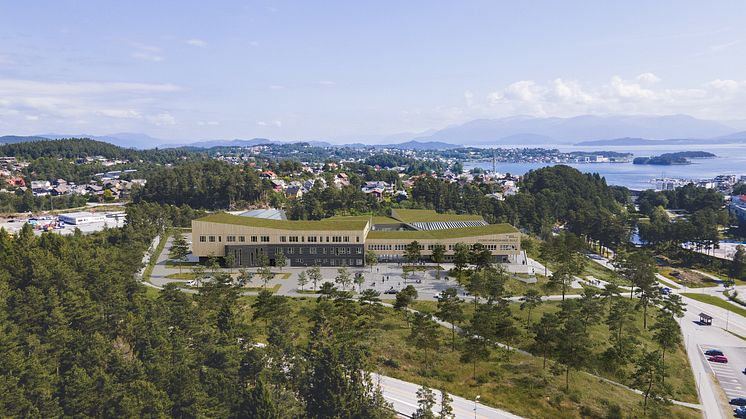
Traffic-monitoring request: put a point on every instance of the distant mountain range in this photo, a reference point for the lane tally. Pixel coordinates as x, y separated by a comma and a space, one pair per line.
518, 130
584, 130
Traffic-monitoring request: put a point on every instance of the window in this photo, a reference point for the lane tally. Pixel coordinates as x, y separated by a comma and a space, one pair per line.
212, 239
360, 262
293, 239
359, 250
291, 250
357, 239
265, 239
230, 239
312, 250
220, 238
312, 239
202, 239
253, 239
346, 239
282, 239
242, 238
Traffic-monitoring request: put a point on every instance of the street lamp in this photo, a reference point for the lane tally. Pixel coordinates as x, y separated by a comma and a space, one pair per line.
475, 406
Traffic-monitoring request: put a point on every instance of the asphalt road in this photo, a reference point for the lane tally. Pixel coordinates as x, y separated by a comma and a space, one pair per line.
403, 396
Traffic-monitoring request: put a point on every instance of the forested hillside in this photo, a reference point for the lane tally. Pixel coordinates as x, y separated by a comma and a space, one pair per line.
547, 197
84, 147
80, 337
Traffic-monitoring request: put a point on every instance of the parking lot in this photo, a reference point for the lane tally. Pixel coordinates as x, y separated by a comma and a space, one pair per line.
730, 375
14, 225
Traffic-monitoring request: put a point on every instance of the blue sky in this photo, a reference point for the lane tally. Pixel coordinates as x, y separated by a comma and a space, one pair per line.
184, 70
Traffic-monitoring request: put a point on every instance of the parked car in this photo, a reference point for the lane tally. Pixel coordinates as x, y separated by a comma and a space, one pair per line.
718, 358
740, 412
438, 295
738, 401
391, 291
713, 352
665, 291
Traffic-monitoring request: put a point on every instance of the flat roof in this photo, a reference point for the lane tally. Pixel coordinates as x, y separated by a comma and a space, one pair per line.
444, 234
420, 215
375, 219
326, 224
79, 214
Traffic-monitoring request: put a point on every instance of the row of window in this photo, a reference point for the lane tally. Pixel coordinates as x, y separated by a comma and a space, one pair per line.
451, 247
317, 239
233, 239
335, 262
336, 251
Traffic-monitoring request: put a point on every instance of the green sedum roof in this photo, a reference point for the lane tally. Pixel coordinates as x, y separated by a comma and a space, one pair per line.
376, 219
424, 216
329, 224
444, 234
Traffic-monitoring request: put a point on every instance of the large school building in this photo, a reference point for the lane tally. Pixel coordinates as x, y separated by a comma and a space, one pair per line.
339, 241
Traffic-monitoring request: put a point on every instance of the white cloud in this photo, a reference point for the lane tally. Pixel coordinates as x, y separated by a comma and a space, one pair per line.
326, 82
199, 43
716, 99
648, 78
162, 119
276, 87
95, 102
469, 98
276, 123
207, 123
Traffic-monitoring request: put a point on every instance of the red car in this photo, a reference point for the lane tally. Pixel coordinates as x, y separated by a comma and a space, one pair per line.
718, 358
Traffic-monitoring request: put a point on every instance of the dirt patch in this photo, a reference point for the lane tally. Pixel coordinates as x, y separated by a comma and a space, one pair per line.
689, 278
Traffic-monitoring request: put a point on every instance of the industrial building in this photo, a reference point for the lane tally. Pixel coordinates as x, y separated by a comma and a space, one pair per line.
78, 218
339, 241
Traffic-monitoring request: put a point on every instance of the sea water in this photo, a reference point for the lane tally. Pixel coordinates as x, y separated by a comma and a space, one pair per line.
730, 160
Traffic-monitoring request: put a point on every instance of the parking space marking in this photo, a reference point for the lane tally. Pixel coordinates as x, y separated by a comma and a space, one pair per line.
725, 375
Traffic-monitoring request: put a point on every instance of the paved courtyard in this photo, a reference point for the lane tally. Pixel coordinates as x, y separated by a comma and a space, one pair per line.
381, 277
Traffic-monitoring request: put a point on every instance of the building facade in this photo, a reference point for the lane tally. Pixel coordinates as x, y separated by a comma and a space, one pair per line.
344, 241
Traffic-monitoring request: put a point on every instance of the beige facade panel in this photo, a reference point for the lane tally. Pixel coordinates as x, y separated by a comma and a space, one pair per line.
210, 239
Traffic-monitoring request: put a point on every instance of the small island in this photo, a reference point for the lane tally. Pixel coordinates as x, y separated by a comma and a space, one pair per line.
669, 159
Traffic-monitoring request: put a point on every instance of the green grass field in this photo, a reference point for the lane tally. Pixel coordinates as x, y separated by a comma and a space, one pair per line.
507, 380
680, 375
718, 302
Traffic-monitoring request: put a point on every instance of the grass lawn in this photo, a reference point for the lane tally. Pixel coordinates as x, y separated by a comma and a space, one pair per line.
517, 287
669, 284
175, 265
422, 268
600, 272
508, 380
719, 302
184, 276
151, 292
680, 377
273, 288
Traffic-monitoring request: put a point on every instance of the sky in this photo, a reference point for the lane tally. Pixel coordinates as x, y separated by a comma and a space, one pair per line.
344, 70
